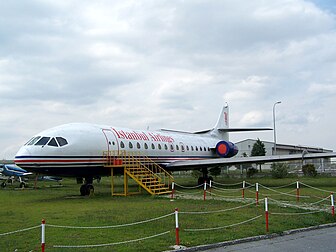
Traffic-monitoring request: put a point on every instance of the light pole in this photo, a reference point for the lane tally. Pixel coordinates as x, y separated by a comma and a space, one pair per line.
274, 126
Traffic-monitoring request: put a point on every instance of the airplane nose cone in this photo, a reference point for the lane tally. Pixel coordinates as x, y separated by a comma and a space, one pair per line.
23, 152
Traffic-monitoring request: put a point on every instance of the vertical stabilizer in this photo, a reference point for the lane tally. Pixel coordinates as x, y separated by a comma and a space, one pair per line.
223, 119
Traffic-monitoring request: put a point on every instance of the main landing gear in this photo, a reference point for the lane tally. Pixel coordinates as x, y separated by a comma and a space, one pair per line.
87, 188
205, 177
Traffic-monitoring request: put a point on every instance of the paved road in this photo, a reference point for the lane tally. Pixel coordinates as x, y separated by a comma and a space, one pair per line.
314, 240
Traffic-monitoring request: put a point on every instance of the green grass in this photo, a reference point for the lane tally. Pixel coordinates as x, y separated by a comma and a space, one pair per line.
62, 206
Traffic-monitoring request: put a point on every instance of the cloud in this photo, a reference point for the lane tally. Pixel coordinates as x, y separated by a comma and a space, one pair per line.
166, 64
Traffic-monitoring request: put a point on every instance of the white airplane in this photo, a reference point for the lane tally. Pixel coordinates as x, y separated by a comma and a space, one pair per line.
76, 150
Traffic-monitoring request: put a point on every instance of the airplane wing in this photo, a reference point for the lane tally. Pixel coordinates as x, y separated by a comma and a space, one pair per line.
190, 164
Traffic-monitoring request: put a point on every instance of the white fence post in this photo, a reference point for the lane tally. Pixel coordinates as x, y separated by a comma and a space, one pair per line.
177, 227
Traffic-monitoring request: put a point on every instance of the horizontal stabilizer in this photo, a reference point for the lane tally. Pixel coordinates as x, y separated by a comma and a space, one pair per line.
176, 131
233, 130
243, 129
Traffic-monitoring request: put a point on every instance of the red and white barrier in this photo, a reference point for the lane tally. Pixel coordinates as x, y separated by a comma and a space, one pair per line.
243, 190
297, 191
210, 186
332, 204
266, 213
205, 188
173, 191
257, 194
177, 227
43, 235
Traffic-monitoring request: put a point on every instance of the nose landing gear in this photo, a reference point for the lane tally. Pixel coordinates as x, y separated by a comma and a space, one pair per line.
87, 188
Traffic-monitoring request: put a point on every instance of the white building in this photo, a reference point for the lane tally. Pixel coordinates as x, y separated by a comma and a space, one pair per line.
246, 146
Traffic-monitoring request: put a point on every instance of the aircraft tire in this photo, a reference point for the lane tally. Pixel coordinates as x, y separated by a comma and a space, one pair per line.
90, 189
3, 185
83, 190
87, 189
22, 185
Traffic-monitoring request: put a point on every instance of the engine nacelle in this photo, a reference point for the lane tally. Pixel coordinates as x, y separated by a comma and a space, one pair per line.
226, 149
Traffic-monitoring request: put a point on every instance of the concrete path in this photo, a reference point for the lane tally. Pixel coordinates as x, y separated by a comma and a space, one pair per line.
321, 239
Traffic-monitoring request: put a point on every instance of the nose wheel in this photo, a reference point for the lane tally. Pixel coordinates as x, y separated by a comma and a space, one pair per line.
87, 188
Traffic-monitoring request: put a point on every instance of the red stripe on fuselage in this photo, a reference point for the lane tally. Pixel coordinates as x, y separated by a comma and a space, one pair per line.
58, 160
162, 159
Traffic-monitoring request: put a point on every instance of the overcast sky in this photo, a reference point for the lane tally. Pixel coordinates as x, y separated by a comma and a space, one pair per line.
169, 64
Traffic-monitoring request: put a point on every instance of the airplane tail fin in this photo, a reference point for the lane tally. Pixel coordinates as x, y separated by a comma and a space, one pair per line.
222, 125
223, 119
222, 128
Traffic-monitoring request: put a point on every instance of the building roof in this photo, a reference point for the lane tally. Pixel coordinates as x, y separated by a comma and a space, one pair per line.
290, 147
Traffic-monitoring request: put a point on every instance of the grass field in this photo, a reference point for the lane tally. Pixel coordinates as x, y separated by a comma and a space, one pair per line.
62, 206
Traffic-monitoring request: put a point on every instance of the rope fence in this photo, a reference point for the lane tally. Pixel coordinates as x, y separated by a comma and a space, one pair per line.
315, 188
114, 226
216, 228
111, 244
20, 230
320, 206
218, 211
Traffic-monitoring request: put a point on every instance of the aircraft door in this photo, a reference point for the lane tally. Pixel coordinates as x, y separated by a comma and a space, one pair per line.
111, 140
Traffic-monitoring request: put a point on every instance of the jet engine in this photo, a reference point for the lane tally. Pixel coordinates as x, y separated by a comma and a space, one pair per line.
226, 149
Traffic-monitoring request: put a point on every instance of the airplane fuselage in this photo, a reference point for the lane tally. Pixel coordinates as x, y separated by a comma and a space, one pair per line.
77, 149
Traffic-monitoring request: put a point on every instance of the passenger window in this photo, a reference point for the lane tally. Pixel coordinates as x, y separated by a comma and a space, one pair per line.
122, 145
196, 148
130, 145
201, 149
166, 147
43, 141
146, 146
192, 148
182, 148
53, 142
177, 148
61, 141
187, 148
153, 146
159, 146
138, 146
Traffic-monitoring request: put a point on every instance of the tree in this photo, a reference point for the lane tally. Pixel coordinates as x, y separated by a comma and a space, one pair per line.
279, 170
258, 149
309, 170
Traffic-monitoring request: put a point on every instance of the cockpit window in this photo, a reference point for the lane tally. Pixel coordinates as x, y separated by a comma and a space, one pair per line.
43, 141
61, 141
53, 142
33, 140
29, 141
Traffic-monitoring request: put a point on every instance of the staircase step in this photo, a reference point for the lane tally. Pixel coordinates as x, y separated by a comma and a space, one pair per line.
165, 192
147, 174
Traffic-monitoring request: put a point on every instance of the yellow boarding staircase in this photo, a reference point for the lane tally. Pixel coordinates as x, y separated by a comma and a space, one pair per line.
144, 171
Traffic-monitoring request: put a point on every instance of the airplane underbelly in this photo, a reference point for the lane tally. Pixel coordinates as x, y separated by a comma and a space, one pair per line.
70, 166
